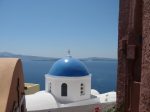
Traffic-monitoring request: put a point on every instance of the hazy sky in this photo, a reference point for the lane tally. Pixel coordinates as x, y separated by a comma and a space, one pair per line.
51, 27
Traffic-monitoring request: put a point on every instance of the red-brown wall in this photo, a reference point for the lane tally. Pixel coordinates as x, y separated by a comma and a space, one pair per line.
133, 87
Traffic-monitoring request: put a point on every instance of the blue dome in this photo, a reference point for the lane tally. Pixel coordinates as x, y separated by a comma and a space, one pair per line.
69, 67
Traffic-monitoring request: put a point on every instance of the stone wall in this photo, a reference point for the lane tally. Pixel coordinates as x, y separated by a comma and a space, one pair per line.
145, 76
133, 88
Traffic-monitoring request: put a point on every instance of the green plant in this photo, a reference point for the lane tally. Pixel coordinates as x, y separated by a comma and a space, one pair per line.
113, 109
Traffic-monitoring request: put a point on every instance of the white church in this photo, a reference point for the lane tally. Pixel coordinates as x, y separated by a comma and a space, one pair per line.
68, 89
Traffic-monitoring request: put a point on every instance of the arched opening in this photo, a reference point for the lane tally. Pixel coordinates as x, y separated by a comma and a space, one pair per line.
64, 89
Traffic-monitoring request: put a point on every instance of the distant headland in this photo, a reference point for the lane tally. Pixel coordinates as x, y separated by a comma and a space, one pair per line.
40, 58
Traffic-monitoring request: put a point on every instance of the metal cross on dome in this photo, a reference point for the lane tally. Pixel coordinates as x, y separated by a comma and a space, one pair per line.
69, 53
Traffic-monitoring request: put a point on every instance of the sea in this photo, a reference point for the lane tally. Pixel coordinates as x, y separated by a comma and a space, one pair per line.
104, 73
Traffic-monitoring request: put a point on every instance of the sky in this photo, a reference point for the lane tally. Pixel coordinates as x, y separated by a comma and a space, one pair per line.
89, 28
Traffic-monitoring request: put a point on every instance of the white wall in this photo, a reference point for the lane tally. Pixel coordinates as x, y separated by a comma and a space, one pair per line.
73, 87
83, 108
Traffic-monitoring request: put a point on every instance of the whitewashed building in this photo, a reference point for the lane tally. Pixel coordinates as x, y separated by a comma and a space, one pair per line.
67, 89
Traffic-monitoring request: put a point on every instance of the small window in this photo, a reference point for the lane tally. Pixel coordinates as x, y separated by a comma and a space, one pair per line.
50, 87
82, 89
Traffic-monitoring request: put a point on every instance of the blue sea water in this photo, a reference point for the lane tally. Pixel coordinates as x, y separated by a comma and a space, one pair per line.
104, 73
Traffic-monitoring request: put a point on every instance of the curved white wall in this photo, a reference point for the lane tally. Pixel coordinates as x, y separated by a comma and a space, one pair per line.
73, 87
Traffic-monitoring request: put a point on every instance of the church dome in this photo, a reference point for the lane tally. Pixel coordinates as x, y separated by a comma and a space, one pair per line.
68, 67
